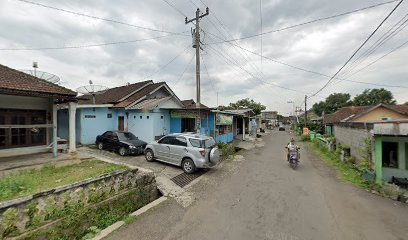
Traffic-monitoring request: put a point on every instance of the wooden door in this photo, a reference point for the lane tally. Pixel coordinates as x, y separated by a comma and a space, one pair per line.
121, 123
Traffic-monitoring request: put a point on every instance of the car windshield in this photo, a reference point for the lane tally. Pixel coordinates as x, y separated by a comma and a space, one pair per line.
123, 136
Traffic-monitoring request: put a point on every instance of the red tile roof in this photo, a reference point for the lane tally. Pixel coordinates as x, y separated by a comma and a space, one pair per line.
343, 113
349, 113
19, 83
114, 95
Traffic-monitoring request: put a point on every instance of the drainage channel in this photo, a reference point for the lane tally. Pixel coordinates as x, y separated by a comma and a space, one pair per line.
184, 179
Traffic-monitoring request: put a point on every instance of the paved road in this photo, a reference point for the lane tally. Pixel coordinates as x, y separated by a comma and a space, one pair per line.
262, 198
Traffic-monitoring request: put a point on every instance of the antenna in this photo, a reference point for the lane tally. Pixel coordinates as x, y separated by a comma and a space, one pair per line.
92, 89
52, 78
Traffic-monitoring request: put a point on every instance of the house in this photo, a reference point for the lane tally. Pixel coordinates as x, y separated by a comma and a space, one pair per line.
391, 149
142, 108
241, 122
191, 117
28, 110
353, 126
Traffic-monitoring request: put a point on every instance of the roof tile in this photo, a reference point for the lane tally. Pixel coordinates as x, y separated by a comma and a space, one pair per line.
12, 80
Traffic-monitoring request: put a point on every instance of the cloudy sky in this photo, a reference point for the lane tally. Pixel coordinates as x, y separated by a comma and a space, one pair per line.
233, 69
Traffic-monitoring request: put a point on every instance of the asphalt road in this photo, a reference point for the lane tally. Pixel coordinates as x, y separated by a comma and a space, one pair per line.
262, 198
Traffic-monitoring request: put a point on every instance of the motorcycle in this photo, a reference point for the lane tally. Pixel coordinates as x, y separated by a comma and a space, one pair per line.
293, 158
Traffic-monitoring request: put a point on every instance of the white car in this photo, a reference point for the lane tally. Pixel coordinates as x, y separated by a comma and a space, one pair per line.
188, 150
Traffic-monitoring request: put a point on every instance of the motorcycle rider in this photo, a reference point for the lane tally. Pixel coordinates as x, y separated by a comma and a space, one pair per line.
292, 147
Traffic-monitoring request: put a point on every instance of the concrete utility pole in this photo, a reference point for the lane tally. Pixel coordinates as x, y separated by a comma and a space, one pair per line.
197, 47
305, 108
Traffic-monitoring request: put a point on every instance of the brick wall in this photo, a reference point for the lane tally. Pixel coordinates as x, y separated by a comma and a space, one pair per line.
353, 137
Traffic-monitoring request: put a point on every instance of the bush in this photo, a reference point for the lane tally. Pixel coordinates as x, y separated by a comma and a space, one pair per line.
305, 138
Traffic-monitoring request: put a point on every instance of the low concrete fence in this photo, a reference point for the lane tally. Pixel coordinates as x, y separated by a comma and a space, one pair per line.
69, 211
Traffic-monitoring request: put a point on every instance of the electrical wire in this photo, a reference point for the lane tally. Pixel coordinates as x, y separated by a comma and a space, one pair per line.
308, 22
86, 45
184, 71
358, 49
95, 17
168, 63
310, 71
175, 8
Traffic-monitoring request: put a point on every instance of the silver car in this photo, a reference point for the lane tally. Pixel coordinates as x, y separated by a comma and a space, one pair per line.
190, 151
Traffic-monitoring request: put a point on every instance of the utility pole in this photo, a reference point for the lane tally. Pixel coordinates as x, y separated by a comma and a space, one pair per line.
197, 47
305, 108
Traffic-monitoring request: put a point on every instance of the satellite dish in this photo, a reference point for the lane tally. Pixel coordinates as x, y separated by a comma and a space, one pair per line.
92, 89
43, 75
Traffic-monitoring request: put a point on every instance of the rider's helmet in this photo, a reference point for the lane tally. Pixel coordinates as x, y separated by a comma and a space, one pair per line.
292, 140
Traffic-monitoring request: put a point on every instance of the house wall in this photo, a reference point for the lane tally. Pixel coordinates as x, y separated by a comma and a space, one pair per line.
379, 114
29, 103
402, 170
92, 122
207, 124
175, 125
353, 137
148, 124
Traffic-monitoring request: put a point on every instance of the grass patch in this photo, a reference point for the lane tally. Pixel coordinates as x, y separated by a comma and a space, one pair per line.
344, 171
27, 182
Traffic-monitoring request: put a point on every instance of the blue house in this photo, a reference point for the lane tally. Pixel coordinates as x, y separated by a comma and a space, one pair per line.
142, 108
220, 125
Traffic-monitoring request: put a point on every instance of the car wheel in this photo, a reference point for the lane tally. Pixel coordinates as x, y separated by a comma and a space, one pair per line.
188, 166
100, 146
149, 155
122, 151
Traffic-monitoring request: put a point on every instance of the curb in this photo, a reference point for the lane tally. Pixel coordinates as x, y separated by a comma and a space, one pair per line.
105, 232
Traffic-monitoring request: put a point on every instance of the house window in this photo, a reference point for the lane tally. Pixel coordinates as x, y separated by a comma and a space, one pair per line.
161, 117
147, 117
109, 115
390, 154
90, 116
141, 117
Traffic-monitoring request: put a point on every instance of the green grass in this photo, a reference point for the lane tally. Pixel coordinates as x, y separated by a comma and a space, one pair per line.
344, 171
27, 182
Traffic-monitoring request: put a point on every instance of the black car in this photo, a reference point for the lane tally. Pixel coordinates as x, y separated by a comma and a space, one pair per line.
122, 142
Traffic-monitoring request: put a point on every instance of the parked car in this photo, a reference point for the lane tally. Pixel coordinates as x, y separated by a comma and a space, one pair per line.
188, 150
281, 128
122, 142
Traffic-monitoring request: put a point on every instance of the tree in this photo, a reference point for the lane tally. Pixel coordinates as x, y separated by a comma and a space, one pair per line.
406, 103
373, 97
247, 103
333, 102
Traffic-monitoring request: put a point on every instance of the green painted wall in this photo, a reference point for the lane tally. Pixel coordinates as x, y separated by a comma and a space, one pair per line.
378, 159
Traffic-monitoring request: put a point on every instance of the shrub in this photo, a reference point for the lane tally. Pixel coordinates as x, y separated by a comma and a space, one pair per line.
305, 138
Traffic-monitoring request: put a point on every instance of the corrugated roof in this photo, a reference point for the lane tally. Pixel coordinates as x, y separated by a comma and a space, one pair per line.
138, 95
13, 81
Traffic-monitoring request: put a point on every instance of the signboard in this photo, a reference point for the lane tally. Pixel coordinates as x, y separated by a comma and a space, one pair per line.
185, 114
223, 119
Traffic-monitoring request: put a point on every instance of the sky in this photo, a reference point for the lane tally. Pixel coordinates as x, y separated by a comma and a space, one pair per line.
151, 41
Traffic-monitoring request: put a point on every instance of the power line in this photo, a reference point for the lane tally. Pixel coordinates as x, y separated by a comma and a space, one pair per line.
306, 70
380, 42
86, 45
378, 59
209, 77
175, 8
308, 22
94, 17
358, 49
184, 71
168, 63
